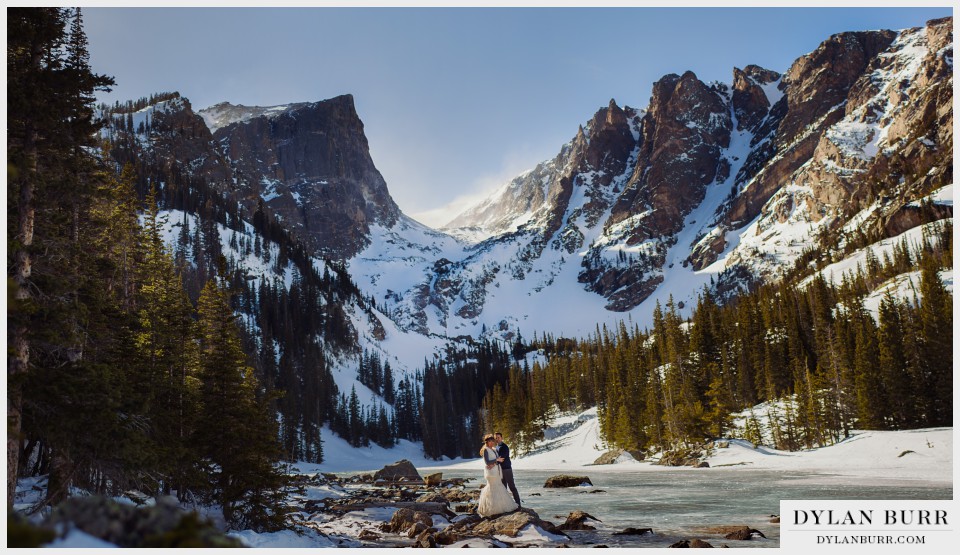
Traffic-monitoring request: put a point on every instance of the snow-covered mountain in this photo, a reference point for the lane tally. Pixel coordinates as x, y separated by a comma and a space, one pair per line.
712, 185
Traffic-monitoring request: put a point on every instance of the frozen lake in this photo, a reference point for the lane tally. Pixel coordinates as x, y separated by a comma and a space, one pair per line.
678, 503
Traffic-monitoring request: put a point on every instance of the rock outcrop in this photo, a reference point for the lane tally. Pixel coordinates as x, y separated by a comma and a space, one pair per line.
310, 166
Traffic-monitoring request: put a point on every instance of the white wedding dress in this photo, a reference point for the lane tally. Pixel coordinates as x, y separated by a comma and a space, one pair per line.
494, 498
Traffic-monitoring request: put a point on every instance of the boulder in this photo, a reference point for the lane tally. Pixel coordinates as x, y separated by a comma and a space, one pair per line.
403, 519
416, 529
454, 495
692, 543
369, 536
433, 480
609, 457
634, 532
566, 481
510, 524
398, 471
681, 457
743, 533
458, 530
576, 520
427, 539
433, 497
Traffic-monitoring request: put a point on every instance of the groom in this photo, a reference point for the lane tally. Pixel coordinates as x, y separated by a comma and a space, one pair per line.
503, 451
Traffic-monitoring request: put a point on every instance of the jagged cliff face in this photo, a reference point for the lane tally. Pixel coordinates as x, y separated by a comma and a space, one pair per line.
865, 122
310, 165
307, 164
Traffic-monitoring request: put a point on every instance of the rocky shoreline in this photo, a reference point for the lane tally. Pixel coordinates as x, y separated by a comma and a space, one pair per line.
394, 507
398, 508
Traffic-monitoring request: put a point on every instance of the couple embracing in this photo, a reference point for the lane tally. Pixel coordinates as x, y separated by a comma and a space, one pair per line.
495, 499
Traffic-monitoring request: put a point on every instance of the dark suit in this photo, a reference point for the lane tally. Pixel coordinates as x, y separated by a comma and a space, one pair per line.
504, 452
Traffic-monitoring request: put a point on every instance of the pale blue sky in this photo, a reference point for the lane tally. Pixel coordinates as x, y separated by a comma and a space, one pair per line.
454, 101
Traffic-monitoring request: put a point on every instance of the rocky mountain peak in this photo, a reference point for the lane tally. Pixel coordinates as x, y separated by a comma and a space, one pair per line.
611, 141
615, 115
309, 165
686, 125
755, 90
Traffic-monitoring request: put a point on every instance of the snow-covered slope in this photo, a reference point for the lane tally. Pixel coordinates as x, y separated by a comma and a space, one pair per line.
856, 262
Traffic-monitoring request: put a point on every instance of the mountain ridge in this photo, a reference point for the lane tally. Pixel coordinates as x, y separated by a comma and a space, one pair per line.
708, 186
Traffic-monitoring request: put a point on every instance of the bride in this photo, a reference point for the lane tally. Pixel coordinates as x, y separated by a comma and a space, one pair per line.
494, 498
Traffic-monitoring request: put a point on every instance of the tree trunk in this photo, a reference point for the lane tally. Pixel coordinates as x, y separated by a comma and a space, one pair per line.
61, 477
19, 357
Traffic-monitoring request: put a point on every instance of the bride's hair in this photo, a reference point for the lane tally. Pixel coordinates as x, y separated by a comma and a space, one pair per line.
486, 438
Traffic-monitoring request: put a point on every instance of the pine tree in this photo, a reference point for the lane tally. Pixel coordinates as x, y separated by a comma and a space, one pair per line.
892, 364
936, 332
169, 354
50, 120
235, 431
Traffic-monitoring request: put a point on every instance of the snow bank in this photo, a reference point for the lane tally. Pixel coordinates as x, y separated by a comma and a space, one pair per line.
342, 457
304, 537
76, 538
922, 455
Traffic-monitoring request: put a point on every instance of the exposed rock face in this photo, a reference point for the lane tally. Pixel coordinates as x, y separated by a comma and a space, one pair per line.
755, 90
539, 198
802, 149
686, 126
311, 165
816, 86
856, 113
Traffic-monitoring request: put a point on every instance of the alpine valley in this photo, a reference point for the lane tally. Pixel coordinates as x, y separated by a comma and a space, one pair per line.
793, 198
714, 187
